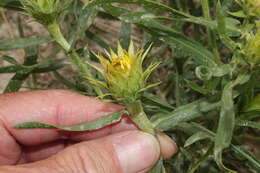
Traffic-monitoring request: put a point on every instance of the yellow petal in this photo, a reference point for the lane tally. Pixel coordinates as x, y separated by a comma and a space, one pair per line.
131, 49
97, 83
105, 63
112, 54
108, 55
120, 50
97, 68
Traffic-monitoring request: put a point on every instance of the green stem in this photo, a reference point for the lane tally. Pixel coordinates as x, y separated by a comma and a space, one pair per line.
210, 34
139, 117
55, 31
178, 2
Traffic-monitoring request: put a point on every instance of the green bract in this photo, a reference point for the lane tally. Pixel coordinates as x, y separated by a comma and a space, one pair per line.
252, 49
252, 7
45, 11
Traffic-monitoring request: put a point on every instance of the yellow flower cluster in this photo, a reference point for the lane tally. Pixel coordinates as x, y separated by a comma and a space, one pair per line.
123, 73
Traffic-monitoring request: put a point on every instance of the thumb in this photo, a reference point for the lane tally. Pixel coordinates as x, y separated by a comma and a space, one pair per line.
125, 152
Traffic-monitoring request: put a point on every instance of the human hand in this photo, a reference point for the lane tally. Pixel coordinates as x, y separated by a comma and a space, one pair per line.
118, 148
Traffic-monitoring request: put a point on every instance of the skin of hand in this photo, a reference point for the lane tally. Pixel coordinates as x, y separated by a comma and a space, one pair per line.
118, 148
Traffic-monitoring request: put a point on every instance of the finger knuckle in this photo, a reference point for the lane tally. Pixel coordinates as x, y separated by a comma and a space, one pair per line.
91, 158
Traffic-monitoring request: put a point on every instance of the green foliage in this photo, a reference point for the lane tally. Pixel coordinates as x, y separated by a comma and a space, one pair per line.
11, 4
20, 43
91, 125
208, 99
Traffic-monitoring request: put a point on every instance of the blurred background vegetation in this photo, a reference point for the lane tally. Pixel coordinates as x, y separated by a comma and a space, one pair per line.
208, 100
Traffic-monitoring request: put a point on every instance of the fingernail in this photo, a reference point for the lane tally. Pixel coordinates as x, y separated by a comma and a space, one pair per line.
136, 151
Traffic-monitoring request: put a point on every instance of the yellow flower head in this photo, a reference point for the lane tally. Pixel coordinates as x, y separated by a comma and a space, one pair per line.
123, 73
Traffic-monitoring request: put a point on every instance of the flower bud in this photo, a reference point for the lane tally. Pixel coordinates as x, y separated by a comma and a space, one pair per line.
251, 7
123, 73
252, 49
45, 11
254, 7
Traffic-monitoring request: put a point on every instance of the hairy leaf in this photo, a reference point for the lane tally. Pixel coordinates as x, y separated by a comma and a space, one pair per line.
225, 125
19, 43
195, 137
92, 125
183, 114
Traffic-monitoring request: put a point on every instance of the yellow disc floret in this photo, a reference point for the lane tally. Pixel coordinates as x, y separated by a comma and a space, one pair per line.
122, 64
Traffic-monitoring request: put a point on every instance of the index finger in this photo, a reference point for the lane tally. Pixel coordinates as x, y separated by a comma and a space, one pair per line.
58, 107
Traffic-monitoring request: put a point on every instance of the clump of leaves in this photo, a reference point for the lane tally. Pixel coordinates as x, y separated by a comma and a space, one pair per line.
208, 99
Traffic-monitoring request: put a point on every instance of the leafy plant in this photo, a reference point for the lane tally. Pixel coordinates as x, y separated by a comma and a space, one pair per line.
208, 99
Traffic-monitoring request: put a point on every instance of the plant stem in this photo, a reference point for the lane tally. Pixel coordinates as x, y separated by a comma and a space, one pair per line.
211, 34
55, 31
139, 117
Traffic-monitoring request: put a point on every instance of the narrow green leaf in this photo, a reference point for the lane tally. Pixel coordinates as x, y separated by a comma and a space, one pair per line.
17, 80
12, 4
197, 164
195, 138
48, 65
14, 69
92, 125
227, 3
9, 59
242, 152
66, 82
199, 53
179, 91
125, 35
95, 38
157, 100
183, 114
85, 20
152, 5
245, 123
20, 27
45, 66
19, 43
231, 23
242, 79
221, 19
254, 105
196, 87
221, 70
239, 14
158, 168
225, 125
250, 115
